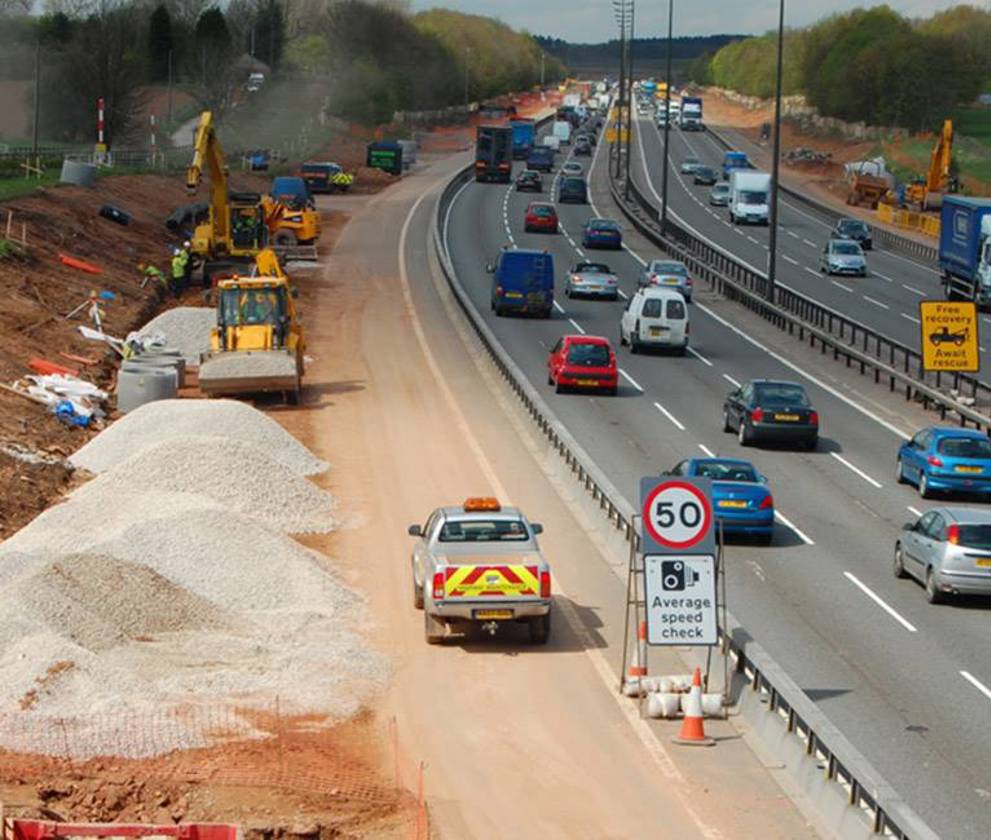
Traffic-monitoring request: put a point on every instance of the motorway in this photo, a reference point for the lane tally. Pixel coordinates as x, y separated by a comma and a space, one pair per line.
887, 300
905, 681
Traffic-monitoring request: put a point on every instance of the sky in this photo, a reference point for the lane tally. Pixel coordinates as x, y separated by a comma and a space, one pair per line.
590, 21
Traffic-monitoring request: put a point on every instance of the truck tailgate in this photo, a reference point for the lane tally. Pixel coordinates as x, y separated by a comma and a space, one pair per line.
492, 581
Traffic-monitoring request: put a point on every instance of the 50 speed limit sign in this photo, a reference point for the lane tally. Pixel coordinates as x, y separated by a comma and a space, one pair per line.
677, 515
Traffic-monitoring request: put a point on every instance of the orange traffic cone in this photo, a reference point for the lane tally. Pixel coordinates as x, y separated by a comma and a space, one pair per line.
692, 731
637, 669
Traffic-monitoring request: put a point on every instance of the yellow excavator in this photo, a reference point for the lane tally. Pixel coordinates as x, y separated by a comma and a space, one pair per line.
927, 193
240, 223
258, 343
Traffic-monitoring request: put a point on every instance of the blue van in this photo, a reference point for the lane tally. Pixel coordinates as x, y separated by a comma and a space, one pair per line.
523, 282
540, 158
734, 160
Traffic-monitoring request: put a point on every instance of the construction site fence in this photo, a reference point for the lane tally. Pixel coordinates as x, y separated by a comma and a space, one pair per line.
261, 746
870, 799
927, 254
926, 223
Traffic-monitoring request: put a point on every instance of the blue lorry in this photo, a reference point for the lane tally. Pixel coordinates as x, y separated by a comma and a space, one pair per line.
734, 160
524, 137
965, 248
523, 283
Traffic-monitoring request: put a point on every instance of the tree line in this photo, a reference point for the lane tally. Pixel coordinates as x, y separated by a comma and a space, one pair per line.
870, 65
607, 52
375, 56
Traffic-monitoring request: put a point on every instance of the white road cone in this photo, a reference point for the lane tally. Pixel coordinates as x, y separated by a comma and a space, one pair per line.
638, 663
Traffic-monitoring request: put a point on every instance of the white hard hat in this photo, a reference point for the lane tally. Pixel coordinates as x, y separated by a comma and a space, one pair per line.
187, 244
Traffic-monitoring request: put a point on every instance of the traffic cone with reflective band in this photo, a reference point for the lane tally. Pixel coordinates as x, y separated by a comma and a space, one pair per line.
692, 730
638, 664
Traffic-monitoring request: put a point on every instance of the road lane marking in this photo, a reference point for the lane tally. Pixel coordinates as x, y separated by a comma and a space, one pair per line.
731, 380
707, 451
916, 511
621, 293
784, 520
576, 325
841, 286
699, 356
669, 415
630, 379
876, 302
793, 234
752, 239
877, 599
913, 290
981, 687
810, 243
792, 260
911, 318
856, 470
558, 307
882, 276
811, 271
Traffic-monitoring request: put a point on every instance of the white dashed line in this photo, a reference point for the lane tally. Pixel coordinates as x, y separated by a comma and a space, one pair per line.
913, 290
879, 601
876, 302
707, 451
576, 325
856, 470
910, 318
669, 415
752, 239
811, 271
882, 276
558, 307
700, 357
792, 260
841, 286
630, 379
731, 380
981, 687
622, 294
810, 243
916, 511
784, 520
794, 235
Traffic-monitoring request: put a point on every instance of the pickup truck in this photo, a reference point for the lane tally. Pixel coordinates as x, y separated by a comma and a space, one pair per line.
479, 566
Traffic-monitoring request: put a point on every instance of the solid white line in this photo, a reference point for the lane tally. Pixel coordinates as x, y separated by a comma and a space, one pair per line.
880, 602
558, 307
731, 380
910, 318
857, 470
840, 285
576, 325
805, 538
699, 356
810, 243
630, 379
669, 415
914, 290
876, 302
707, 451
829, 389
792, 260
981, 687
916, 511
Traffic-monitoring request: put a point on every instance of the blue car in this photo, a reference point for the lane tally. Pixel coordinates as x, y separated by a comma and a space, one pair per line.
946, 458
742, 503
602, 233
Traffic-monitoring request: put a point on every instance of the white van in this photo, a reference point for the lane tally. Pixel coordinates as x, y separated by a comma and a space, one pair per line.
562, 131
655, 317
749, 196
551, 142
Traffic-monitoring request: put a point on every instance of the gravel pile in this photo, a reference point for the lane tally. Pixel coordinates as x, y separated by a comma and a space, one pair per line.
239, 476
180, 419
247, 366
187, 328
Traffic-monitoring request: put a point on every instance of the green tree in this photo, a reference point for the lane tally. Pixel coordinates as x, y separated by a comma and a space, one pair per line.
270, 33
160, 44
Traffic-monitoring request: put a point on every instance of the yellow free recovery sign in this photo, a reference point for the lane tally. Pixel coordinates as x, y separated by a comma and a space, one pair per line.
949, 335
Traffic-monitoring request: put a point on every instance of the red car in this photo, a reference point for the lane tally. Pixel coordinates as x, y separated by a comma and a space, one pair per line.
542, 217
583, 361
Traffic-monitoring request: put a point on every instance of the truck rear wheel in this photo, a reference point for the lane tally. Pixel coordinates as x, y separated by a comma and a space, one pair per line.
433, 630
417, 595
540, 629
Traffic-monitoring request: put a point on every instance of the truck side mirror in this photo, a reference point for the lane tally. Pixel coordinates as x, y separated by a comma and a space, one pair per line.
537, 528
414, 531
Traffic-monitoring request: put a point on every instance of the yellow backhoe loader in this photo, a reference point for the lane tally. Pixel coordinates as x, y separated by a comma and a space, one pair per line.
927, 193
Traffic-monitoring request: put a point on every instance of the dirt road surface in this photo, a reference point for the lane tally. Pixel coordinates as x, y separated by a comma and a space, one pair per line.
518, 741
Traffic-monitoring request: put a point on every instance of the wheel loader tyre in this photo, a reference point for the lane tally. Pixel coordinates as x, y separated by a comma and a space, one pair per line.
284, 239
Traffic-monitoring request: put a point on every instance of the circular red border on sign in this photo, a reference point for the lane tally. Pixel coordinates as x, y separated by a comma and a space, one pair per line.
706, 508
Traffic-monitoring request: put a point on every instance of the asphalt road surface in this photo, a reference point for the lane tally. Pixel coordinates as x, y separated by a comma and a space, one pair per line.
905, 681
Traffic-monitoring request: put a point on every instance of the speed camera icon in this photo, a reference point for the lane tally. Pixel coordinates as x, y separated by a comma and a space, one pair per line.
675, 577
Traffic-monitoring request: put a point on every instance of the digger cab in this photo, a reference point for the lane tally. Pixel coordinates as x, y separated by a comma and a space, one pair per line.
249, 232
254, 314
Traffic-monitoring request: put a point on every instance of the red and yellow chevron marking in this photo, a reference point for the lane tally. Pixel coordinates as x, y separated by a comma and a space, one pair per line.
489, 581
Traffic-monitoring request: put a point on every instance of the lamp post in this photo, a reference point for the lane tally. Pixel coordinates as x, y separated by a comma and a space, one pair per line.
667, 123
772, 245
467, 60
619, 8
629, 104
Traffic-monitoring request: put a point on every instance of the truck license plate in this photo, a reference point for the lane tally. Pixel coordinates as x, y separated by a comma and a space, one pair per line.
493, 614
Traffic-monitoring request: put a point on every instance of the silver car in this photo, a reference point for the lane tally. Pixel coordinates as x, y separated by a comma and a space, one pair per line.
689, 165
948, 550
572, 168
670, 274
842, 256
590, 279
719, 194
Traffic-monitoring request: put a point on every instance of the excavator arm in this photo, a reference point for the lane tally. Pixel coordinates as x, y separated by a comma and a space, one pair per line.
938, 180
208, 152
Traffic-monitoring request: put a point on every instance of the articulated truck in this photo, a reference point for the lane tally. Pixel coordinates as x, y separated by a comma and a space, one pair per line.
965, 248
494, 153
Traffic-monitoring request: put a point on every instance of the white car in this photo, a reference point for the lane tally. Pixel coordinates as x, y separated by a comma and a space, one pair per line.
655, 317
572, 168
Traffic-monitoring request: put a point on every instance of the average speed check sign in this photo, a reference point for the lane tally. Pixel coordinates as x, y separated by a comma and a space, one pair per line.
677, 516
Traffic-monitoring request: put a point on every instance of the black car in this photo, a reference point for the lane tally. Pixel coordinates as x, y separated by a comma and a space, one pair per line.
572, 190
590, 136
705, 175
541, 159
854, 229
771, 410
529, 180
583, 148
